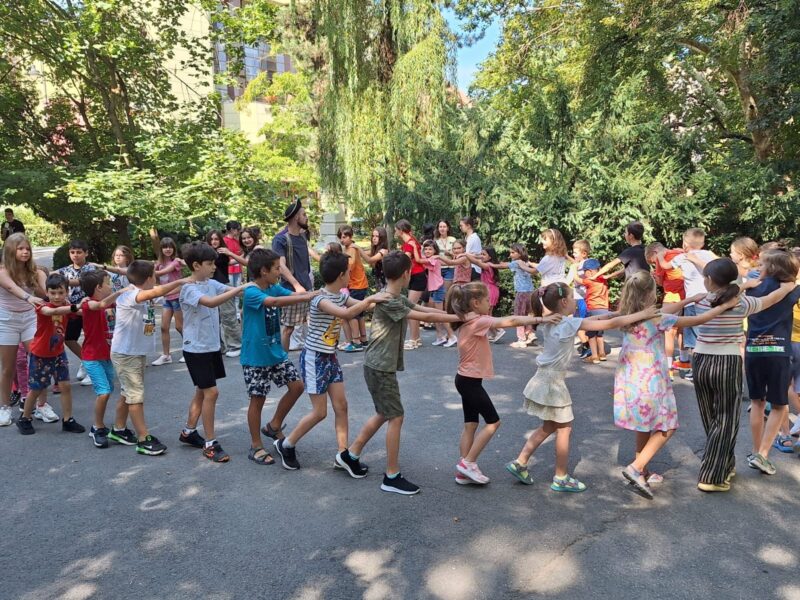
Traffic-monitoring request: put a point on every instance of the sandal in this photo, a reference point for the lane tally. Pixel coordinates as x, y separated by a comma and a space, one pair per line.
412, 344
216, 454
784, 443
271, 433
260, 456
637, 479
567, 484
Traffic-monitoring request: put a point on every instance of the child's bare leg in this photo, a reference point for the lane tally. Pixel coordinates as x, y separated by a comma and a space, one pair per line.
362, 330
339, 404
166, 319
121, 414
254, 420
757, 423
66, 400
370, 428
656, 441
774, 421
393, 445
593, 347
318, 413
669, 344
467, 438
179, 322
294, 389
209, 409
136, 412
100, 404
30, 402
8, 358
74, 347
563, 431
195, 409
481, 439
535, 440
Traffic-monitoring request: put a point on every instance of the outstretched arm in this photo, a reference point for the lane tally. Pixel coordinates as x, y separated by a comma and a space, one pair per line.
607, 267
477, 261
434, 317
620, 321
521, 321
161, 290
107, 301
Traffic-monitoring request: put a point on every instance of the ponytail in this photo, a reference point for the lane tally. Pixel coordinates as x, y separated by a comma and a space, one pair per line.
724, 274
549, 297
459, 299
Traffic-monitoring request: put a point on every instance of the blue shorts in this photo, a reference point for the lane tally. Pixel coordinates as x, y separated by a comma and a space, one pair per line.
101, 372
689, 333
580, 308
319, 370
437, 297
173, 305
593, 313
44, 370
359, 295
448, 273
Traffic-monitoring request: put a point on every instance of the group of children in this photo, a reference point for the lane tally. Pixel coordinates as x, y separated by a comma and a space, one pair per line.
117, 314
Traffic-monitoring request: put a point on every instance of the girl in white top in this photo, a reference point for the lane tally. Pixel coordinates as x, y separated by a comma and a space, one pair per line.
19, 281
553, 266
467, 225
546, 394
445, 243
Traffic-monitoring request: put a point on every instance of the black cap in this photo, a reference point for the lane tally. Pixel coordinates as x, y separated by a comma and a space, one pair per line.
292, 209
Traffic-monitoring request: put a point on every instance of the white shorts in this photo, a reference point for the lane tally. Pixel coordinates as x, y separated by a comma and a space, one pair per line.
17, 327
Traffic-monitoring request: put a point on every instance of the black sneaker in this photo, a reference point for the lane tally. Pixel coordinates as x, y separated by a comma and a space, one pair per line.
288, 456
150, 446
15, 398
25, 426
350, 464
193, 439
72, 426
399, 485
99, 436
123, 436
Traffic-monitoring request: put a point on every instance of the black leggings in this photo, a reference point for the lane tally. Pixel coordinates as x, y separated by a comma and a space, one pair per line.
475, 401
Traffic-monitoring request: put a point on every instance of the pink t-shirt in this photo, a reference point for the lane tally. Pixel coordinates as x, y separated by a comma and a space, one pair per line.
173, 275
434, 268
474, 355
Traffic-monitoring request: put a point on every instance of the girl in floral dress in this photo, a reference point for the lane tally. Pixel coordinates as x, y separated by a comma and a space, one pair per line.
643, 398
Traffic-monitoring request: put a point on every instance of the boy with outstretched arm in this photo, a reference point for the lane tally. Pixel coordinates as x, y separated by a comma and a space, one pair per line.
319, 366
383, 359
199, 299
48, 360
264, 361
96, 351
133, 340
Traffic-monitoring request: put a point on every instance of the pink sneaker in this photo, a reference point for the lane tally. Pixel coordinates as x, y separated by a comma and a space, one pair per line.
472, 471
463, 479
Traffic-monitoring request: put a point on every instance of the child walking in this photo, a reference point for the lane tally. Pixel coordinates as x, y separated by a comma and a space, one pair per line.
596, 298
436, 287
546, 394
168, 269
485, 260
470, 302
358, 287
523, 288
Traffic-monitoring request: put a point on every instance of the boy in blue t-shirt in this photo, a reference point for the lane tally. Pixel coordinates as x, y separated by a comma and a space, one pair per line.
263, 358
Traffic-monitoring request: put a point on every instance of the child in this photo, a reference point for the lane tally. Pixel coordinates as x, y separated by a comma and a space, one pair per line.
671, 280
551, 267
319, 366
418, 283
470, 302
485, 260
462, 272
718, 369
632, 259
744, 252
523, 289
596, 297
767, 355
48, 360
643, 398
580, 252
199, 300
358, 288
263, 358
168, 269
546, 394
436, 287
231, 240
383, 359
78, 252
133, 339
229, 326
379, 246
97, 351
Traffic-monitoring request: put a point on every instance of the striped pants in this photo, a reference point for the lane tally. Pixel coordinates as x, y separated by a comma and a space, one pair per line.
718, 385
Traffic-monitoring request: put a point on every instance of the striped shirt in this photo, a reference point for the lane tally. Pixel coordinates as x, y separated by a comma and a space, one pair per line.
724, 333
323, 329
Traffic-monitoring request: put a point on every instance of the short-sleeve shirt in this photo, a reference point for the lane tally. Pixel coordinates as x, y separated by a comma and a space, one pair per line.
323, 328
474, 247
261, 327
596, 294
445, 244
200, 323
118, 282
49, 338
434, 268
671, 279
70, 272
301, 263
769, 332
135, 325
358, 277
558, 343
474, 354
15, 226
96, 333
551, 269
724, 333
522, 279
692, 278
234, 246
173, 275
408, 247
387, 335
221, 269
634, 261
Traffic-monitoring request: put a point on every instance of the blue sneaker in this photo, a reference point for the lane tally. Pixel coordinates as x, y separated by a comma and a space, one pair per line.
351, 347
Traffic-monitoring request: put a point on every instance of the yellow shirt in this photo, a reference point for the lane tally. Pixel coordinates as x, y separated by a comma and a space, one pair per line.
796, 323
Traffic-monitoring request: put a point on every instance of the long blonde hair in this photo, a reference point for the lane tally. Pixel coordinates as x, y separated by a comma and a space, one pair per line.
558, 246
23, 274
638, 293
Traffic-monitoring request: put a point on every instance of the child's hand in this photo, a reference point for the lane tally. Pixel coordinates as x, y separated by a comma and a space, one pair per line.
552, 319
98, 266
380, 297
696, 298
34, 301
224, 251
733, 302
651, 312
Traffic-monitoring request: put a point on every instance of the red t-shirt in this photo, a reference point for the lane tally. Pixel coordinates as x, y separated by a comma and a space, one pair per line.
97, 336
408, 248
49, 339
671, 279
234, 246
596, 293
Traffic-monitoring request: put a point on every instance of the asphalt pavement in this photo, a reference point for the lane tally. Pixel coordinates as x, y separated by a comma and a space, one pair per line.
81, 522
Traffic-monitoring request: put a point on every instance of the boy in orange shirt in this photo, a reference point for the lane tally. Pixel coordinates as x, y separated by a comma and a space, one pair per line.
358, 287
671, 280
596, 297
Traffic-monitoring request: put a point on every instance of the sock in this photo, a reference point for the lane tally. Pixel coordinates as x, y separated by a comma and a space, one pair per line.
560, 477
287, 443
210, 443
118, 429
393, 476
684, 356
353, 456
188, 430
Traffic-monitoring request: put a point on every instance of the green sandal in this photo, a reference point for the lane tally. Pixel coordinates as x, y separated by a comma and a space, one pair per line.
520, 472
260, 459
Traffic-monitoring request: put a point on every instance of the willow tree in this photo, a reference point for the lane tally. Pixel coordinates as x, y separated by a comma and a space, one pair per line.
382, 99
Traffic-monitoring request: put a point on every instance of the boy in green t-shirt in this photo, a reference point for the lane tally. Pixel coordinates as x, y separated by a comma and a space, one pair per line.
383, 359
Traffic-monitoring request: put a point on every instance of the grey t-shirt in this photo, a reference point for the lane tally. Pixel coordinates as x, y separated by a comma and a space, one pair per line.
386, 339
200, 323
301, 264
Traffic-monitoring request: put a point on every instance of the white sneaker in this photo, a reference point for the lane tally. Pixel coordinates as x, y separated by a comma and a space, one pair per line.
183, 359
81, 372
520, 344
440, 342
86, 380
472, 471
45, 413
164, 359
233, 353
5, 416
500, 333
795, 430
451, 342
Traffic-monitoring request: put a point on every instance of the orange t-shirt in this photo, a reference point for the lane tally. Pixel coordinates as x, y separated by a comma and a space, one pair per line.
474, 354
671, 279
358, 277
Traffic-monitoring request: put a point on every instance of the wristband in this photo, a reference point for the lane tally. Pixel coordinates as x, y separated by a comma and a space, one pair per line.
73, 308
27, 297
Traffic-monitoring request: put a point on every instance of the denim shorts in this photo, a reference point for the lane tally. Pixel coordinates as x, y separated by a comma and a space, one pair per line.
689, 333
173, 305
448, 273
593, 313
101, 372
580, 308
437, 297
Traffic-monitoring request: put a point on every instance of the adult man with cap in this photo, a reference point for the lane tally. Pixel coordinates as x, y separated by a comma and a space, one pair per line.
292, 246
